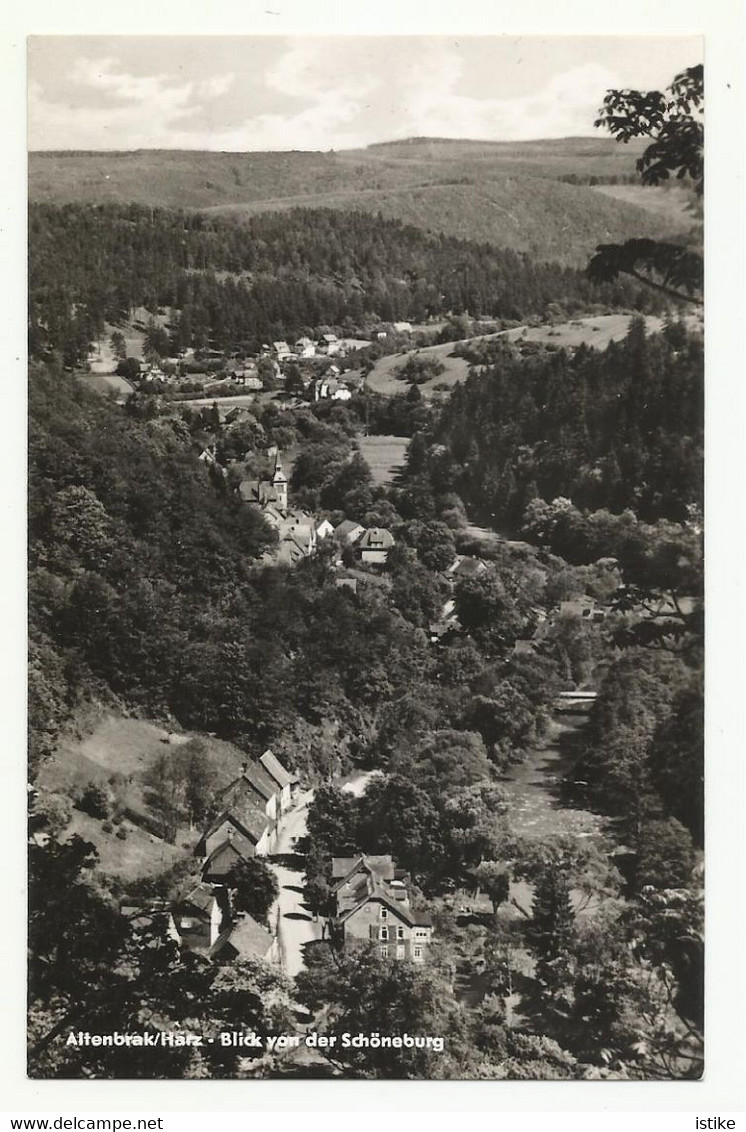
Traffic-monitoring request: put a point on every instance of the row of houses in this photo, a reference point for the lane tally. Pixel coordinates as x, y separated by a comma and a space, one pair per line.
203, 919
371, 903
326, 345
249, 809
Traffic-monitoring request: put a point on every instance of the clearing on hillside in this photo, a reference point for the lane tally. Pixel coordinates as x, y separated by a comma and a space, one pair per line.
384, 456
596, 331
117, 755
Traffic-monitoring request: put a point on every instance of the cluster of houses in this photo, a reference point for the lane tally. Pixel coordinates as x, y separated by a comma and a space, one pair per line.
203, 919
299, 532
371, 902
371, 899
326, 345
249, 809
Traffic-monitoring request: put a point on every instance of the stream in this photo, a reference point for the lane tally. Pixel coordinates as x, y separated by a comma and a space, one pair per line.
539, 806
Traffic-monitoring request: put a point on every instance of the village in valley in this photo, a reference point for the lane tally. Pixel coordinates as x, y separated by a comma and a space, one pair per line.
366, 620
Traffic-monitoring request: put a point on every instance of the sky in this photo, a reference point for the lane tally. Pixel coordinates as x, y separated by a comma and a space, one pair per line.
329, 92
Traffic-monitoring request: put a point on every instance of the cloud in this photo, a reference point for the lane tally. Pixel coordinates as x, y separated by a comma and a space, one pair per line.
317, 93
118, 110
565, 105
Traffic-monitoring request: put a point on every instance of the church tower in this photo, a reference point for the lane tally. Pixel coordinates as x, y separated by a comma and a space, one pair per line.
280, 485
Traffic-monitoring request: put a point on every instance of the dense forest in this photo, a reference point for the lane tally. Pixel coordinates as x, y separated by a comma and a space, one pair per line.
244, 282
619, 428
147, 597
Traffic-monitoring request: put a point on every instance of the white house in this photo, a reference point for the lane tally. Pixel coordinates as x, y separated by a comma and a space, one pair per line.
281, 350
305, 348
374, 545
329, 344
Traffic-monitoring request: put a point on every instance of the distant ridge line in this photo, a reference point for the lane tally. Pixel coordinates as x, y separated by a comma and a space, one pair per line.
585, 139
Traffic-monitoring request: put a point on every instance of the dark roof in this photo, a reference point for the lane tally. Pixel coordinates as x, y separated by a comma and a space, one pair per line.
225, 847
276, 770
243, 938
382, 865
201, 897
365, 893
253, 782
346, 526
260, 780
244, 810
362, 879
376, 538
260, 492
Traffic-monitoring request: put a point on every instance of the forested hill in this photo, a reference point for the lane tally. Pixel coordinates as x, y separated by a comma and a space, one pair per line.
619, 429
264, 278
509, 194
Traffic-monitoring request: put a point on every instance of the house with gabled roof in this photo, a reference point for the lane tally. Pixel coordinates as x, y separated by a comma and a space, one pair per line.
372, 902
242, 831
284, 780
328, 344
348, 531
249, 809
305, 347
245, 938
466, 566
153, 918
253, 785
374, 545
199, 917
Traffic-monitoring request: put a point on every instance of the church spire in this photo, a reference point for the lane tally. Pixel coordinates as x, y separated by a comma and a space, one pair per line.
280, 484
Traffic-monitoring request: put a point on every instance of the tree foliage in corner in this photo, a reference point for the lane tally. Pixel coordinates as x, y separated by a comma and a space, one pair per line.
673, 120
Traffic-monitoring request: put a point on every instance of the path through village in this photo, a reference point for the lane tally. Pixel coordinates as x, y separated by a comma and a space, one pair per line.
294, 923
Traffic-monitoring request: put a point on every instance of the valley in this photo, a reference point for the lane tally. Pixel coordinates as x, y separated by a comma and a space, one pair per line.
365, 589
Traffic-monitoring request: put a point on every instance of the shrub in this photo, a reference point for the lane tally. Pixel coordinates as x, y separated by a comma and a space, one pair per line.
122, 833
94, 801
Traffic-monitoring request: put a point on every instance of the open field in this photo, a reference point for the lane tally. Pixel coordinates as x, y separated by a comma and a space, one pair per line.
107, 383
672, 203
127, 748
384, 456
382, 378
140, 854
597, 331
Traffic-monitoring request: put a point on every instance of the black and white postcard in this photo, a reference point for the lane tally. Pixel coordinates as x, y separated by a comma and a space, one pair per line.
366, 512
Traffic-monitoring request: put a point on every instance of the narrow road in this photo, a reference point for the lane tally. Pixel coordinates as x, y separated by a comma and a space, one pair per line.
295, 924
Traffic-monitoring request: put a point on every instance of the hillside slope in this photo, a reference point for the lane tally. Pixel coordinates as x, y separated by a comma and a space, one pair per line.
503, 193
544, 218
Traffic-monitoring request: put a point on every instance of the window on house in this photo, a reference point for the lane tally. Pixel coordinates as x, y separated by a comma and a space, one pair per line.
400, 951
384, 953
384, 913
384, 933
418, 952
400, 933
